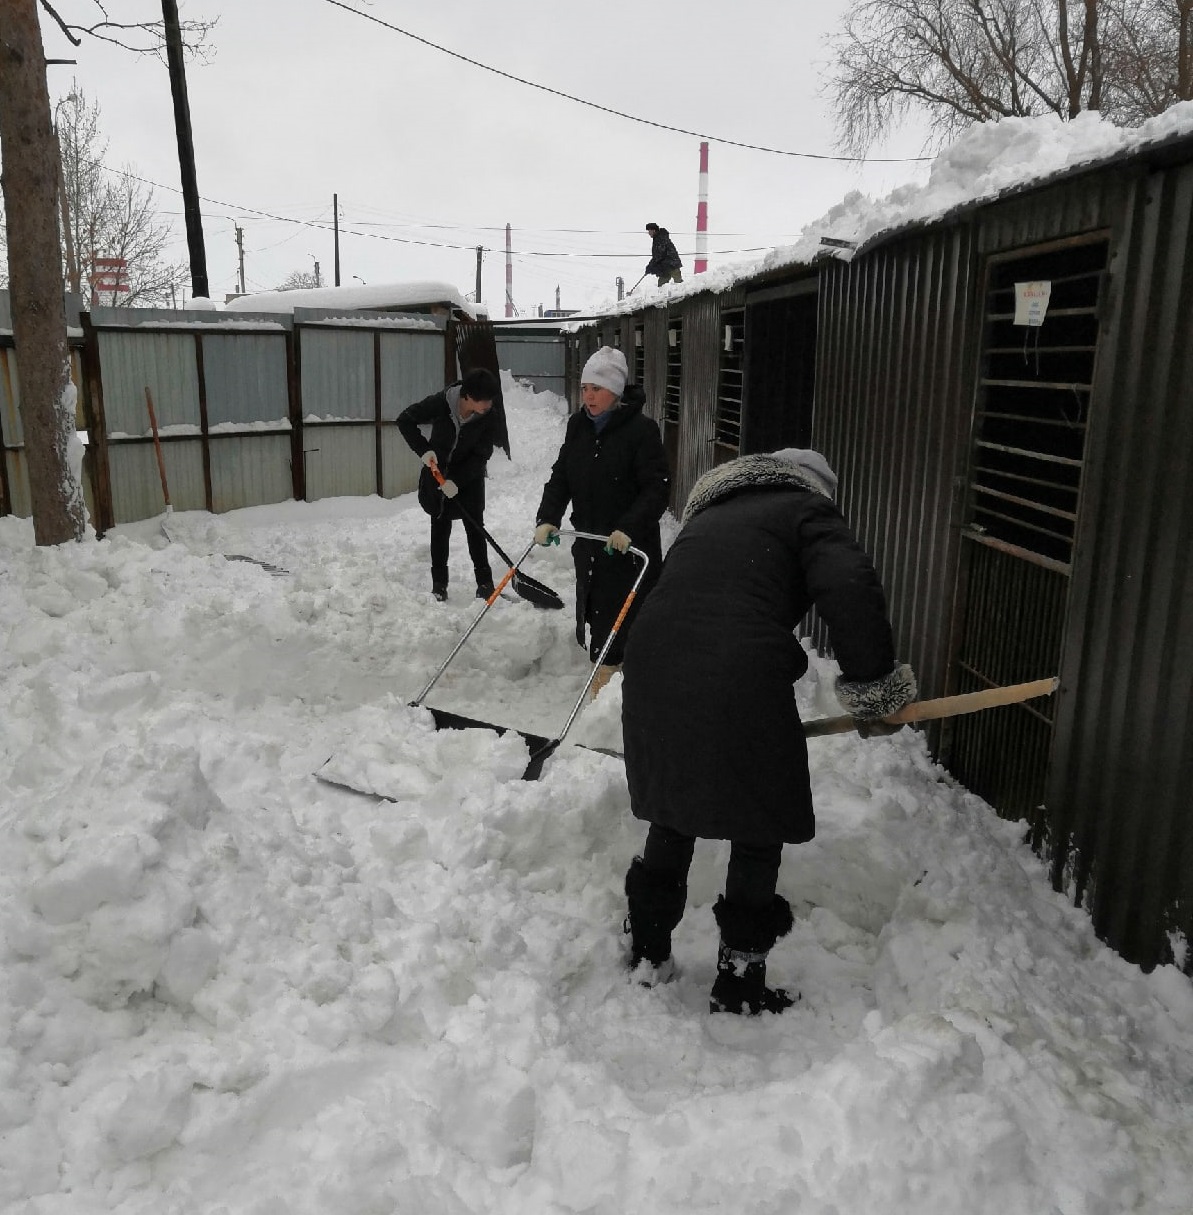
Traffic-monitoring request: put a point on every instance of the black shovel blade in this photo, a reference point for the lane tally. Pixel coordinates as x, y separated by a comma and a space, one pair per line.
538, 757
533, 591
537, 744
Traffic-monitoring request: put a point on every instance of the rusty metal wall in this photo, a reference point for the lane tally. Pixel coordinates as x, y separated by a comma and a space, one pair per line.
699, 372
1118, 826
654, 340
894, 387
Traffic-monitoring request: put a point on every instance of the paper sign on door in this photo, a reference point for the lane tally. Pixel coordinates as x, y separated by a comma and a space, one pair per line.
1031, 302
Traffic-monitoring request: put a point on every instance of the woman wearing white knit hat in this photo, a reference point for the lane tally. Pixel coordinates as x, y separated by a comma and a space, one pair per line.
612, 468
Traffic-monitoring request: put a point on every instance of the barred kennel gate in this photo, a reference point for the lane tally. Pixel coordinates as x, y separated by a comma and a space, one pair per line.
1039, 347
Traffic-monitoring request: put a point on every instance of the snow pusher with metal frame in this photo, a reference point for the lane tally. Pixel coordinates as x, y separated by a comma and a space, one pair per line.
540, 746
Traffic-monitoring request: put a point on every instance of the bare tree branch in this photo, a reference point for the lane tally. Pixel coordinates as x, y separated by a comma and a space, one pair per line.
956, 62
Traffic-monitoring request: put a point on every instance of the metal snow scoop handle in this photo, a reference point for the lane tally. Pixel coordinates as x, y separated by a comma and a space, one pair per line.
528, 588
945, 706
636, 285
417, 701
542, 754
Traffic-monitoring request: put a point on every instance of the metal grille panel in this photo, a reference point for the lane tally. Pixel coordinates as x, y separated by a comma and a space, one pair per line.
1013, 625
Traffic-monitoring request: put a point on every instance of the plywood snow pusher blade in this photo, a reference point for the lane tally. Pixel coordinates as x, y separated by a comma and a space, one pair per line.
541, 749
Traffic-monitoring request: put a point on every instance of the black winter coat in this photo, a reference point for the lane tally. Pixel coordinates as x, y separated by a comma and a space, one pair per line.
713, 742
463, 454
664, 257
617, 480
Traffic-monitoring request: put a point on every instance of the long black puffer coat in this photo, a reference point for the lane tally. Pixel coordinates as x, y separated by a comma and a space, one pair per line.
713, 742
616, 480
462, 452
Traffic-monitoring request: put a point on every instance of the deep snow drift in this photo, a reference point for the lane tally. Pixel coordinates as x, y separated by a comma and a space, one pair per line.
229, 987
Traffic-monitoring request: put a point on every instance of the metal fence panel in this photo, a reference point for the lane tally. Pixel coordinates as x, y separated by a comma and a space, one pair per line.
340, 461
411, 369
245, 379
535, 359
337, 372
250, 470
130, 362
137, 488
400, 466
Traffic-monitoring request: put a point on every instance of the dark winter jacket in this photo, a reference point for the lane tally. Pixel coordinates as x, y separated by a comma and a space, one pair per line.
615, 480
664, 257
461, 449
713, 742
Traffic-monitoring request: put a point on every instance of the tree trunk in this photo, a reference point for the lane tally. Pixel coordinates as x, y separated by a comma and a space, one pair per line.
30, 184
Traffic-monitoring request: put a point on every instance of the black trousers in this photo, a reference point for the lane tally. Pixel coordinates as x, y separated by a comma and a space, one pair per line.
753, 868
478, 550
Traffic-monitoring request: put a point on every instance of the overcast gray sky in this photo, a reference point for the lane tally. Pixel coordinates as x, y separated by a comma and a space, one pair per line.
431, 156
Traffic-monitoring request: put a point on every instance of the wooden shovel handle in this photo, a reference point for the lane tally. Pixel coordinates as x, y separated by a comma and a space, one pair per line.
946, 706
157, 444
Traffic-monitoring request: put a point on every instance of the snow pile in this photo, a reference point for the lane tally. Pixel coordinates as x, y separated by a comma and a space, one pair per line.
232, 988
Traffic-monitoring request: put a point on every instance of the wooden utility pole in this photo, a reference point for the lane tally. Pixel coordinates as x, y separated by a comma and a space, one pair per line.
240, 254
335, 211
186, 151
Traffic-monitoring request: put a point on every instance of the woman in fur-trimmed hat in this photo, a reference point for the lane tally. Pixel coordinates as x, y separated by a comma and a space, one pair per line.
713, 743
612, 469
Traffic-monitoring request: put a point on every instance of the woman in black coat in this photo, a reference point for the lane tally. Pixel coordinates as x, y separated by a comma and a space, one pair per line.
713, 743
461, 428
612, 468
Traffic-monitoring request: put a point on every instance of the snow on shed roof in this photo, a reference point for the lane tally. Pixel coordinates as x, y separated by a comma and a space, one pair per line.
386, 296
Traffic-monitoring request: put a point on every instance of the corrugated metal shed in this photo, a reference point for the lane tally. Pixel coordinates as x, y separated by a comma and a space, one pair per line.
912, 394
1118, 826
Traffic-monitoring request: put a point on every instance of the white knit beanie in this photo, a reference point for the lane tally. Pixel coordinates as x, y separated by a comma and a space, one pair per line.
813, 465
606, 369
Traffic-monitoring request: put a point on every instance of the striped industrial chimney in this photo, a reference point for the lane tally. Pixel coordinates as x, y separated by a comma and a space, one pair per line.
702, 214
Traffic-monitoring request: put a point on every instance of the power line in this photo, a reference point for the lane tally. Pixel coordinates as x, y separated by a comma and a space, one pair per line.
662, 126
405, 240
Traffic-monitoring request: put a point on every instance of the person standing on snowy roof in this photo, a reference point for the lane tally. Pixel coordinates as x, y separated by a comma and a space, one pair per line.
664, 257
461, 423
713, 743
613, 470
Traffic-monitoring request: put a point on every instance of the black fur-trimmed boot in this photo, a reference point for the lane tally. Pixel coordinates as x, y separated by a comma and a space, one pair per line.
656, 906
747, 935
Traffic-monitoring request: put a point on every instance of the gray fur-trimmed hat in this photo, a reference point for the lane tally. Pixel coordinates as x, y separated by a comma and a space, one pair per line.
793, 467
